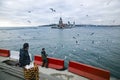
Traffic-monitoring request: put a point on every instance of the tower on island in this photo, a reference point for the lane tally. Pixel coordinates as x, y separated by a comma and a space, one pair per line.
60, 25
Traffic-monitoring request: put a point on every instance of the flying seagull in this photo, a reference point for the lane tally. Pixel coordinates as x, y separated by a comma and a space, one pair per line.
52, 10
109, 2
113, 21
29, 11
87, 15
91, 33
29, 21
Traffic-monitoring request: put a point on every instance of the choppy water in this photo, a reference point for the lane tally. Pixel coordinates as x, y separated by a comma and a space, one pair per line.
97, 46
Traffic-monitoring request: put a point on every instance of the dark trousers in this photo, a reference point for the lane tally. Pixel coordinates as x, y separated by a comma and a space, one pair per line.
45, 63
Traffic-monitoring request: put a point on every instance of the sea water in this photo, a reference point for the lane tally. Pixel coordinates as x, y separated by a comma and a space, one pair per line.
96, 46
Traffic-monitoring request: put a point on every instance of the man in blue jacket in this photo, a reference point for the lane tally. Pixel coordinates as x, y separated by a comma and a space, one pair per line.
24, 58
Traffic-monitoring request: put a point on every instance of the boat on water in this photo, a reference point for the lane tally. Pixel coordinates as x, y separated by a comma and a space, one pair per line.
62, 25
75, 71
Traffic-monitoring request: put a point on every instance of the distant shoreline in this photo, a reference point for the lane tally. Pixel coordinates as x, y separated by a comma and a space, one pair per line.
83, 25
50, 25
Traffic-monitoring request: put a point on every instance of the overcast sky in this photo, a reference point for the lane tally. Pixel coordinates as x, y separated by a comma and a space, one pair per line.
39, 12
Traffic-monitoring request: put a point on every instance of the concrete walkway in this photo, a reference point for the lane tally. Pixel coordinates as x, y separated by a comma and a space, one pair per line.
8, 72
45, 73
16, 73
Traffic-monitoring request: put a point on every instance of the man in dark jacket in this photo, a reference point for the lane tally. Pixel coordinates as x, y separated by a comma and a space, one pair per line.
44, 58
24, 58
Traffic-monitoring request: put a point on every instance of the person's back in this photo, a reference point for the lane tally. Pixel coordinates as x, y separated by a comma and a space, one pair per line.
44, 55
24, 58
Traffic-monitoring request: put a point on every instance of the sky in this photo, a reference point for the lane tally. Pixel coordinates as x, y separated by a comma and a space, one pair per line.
42, 12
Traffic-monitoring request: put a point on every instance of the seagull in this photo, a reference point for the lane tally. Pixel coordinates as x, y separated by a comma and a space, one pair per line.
65, 57
113, 21
29, 21
74, 37
81, 4
109, 2
29, 11
93, 42
76, 42
91, 33
87, 15
52, 10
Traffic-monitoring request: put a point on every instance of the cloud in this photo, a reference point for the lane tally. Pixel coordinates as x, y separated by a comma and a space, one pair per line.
80, 11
